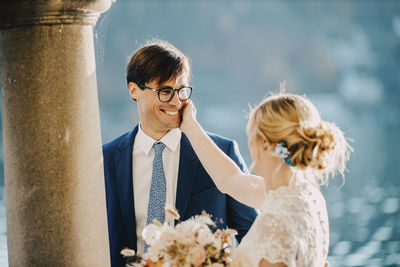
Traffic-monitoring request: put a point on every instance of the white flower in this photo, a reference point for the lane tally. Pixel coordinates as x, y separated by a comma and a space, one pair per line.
155, 251
169, 234
128, 252
188, 228
205, 236
281, 151
151, 233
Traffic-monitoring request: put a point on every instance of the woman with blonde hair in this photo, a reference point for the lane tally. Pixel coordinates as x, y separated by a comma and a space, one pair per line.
294, 152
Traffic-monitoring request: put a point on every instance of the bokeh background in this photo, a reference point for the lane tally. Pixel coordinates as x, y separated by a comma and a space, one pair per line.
344, 55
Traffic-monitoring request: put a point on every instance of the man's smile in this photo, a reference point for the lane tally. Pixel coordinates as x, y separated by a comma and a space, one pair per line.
170, 112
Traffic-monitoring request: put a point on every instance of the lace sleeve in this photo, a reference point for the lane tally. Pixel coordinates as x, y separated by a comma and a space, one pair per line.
276, 239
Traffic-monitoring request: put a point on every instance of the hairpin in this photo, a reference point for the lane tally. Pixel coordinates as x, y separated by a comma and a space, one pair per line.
281, 149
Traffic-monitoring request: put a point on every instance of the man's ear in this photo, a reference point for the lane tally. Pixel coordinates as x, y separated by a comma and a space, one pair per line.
134, 90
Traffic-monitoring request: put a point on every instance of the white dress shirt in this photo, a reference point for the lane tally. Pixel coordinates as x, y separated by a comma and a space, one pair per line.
142, 165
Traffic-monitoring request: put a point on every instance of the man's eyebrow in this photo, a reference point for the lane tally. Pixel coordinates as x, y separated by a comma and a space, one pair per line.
169, 87
164, 87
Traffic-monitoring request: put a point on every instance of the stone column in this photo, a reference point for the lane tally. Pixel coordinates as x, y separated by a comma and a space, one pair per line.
55, 196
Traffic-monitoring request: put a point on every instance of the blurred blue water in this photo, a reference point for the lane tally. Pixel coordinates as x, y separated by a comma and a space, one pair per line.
344, 55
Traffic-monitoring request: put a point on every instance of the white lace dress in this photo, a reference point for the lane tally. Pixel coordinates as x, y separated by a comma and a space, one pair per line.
292, 228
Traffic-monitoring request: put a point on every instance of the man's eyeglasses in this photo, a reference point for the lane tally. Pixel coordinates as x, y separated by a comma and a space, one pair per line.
166, 94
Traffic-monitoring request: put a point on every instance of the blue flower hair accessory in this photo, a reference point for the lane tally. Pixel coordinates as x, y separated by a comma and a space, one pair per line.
282, 151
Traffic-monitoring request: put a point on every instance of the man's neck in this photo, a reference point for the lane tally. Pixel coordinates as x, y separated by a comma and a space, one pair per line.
156, 135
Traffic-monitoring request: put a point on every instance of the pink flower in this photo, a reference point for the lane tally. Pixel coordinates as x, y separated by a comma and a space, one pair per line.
198, 255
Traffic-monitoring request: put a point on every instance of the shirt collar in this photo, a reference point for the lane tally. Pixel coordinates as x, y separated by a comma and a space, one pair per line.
171, 140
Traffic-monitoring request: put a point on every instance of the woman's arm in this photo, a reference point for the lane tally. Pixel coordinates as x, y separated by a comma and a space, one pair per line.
245, 188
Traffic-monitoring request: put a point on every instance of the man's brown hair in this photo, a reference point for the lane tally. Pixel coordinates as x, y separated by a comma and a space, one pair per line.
157, 61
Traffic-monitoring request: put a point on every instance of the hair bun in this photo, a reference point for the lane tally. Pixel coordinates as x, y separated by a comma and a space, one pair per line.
312, 146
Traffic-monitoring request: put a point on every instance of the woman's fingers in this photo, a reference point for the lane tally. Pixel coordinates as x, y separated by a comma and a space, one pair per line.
188, 116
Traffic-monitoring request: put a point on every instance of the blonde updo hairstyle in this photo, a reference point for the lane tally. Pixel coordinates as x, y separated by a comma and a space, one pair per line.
314, 145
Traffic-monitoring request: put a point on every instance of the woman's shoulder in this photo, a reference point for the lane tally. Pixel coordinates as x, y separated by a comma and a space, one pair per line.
294, 201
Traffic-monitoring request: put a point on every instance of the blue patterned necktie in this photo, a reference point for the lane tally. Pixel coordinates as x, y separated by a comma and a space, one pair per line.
158, 188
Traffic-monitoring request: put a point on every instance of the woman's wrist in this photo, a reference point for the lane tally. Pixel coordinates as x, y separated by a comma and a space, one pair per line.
191, 128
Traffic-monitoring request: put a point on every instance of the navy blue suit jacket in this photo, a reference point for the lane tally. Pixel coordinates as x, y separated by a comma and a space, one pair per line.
195, 192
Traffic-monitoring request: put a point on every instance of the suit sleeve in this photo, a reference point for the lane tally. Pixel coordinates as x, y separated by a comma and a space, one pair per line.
116, 232
240, 217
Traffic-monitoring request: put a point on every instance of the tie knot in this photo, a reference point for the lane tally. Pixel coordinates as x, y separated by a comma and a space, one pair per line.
158, 147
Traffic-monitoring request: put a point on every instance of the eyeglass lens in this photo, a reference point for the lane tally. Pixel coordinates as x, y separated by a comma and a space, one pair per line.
167, 94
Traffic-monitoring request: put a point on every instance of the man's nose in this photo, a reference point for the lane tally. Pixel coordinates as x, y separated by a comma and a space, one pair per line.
175, 100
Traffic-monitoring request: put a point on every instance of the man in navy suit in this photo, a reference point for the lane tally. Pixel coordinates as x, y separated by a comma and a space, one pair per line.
158, 76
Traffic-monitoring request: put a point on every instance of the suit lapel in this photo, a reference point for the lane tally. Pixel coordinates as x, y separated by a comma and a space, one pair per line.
125, 186
188, 166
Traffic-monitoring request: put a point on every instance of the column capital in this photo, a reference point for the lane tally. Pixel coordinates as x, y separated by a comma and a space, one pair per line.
17, 13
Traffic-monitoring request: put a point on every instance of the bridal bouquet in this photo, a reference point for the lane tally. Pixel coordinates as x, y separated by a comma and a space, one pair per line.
189, 243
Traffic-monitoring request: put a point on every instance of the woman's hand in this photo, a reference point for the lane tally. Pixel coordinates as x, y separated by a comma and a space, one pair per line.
188, 114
